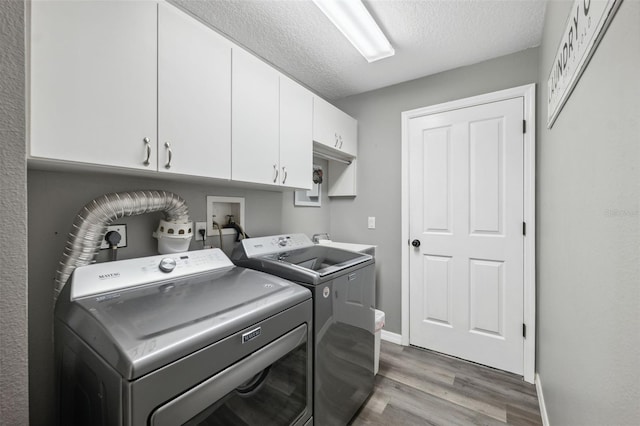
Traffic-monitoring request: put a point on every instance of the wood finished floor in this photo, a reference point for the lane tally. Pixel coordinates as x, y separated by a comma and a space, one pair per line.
420, 387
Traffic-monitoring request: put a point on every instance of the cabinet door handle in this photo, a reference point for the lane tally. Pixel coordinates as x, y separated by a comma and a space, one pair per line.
284, 173
169, 154
147, 148
337, 141
340, 141
275, 169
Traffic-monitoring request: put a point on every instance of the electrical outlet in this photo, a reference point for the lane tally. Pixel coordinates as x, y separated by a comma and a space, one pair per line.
371, 222
198, 227
122, 230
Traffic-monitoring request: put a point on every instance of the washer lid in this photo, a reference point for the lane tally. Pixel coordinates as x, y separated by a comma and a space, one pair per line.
294, 259
138, 330
322, 260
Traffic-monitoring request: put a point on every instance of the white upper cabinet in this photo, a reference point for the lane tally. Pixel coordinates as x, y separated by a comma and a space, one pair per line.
271, 125
334, 129
194, 97
93, 82
296, 155
142, 85
336, 134
255, 120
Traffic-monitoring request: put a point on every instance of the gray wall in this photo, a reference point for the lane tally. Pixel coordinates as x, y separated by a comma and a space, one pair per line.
588, 231
14, 402
54, 200
379, 144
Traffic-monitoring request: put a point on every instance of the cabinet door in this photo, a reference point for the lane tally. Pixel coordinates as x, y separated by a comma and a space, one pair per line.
254, 118
334, 128
324, 123
194, 97
296, 143
93, 82
347, 133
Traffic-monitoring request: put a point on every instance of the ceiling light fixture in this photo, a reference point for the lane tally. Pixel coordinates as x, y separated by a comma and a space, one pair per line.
358, 26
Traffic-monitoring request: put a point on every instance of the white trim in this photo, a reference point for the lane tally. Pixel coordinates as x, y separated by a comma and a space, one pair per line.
543, 407
391, 337
529, 302
404, 234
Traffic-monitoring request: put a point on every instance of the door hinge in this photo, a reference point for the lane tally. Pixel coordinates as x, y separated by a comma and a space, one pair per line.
524, 126
524, 228
524, 330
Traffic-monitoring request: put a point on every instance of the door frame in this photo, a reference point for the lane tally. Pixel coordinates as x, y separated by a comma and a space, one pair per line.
529, 302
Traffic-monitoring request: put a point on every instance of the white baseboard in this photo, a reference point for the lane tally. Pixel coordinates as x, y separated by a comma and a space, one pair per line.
543, 407
391, 337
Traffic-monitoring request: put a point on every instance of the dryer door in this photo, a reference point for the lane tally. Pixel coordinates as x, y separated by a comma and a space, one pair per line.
268, 387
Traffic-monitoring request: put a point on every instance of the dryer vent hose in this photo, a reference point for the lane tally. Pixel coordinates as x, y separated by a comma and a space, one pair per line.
90, 225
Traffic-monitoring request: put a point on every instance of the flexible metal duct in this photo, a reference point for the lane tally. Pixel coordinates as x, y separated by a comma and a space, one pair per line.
92, 220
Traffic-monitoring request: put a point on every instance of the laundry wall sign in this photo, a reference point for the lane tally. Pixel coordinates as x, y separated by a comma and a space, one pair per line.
587, 23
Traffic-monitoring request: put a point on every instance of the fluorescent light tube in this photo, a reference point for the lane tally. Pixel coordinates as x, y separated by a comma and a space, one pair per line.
358, 26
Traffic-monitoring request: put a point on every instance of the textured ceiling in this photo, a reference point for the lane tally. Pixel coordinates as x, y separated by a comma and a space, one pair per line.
429, 36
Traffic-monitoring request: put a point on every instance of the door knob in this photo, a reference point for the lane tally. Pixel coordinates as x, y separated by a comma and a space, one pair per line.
415, 243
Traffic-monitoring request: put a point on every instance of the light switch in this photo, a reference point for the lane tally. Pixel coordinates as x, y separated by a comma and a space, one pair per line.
371, 222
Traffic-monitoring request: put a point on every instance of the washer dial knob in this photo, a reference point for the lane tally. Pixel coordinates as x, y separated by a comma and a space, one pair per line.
167, 264
282, 242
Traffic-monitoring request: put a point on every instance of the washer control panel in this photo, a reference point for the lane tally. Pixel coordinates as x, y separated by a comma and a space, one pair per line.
262, 246
106, 277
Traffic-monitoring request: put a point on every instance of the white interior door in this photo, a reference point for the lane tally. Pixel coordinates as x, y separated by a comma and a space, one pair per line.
466, 212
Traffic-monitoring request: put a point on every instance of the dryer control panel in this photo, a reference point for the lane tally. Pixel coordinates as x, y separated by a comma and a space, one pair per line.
111, 276
262, 246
